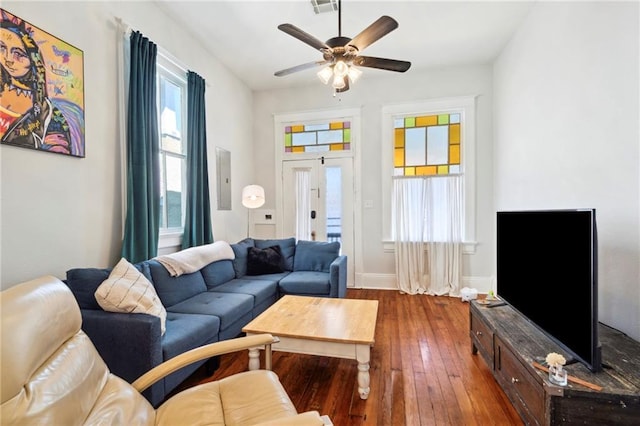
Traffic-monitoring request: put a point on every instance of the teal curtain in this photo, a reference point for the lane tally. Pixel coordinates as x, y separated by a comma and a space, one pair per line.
197, 226
142, 223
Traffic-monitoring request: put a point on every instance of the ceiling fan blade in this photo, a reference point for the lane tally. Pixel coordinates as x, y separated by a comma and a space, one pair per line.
383, 26
296, 32
300, 67
382, 63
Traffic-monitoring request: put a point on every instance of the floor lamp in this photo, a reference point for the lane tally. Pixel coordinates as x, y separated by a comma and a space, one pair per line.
252, 198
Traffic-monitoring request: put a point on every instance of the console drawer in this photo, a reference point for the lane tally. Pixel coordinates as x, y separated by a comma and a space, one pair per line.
482, 338
522, 387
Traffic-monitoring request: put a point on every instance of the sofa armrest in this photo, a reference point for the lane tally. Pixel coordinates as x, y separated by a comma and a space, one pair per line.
338, 276
130, 344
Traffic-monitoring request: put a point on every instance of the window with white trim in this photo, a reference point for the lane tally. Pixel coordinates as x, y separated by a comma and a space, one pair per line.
172, 110
433, 137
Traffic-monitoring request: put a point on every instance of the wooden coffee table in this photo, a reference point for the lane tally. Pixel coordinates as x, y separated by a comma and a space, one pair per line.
340, 328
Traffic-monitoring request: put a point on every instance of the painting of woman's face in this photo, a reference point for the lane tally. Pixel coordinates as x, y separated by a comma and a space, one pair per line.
13, 55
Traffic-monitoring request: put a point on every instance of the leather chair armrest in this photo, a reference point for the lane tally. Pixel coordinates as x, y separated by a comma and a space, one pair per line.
203, 352
308, 418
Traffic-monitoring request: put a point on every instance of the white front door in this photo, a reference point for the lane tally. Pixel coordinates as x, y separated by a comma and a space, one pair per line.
318, 203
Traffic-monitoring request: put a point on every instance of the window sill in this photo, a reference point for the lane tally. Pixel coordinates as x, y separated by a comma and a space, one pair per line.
468, 247
170, 238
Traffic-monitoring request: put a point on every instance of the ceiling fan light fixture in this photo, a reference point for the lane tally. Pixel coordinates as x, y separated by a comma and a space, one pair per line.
325, 74
340, 69
354, 74
338, 82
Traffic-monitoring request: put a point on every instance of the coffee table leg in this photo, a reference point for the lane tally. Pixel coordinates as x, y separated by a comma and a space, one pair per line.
362, 356
254, 358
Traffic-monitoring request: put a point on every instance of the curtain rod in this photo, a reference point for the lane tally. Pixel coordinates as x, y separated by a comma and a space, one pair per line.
126, 29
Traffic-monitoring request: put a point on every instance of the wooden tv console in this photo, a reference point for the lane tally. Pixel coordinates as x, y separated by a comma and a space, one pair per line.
510, 344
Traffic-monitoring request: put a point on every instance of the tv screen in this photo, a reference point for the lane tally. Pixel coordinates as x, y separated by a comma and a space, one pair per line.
547, 271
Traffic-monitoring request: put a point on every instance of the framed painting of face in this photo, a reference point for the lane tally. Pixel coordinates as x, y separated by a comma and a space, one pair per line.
41, 91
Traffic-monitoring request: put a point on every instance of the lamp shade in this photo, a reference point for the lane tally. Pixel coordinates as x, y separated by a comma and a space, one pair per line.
252, 196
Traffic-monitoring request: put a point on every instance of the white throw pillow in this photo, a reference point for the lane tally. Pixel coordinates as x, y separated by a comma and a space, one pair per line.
128, 290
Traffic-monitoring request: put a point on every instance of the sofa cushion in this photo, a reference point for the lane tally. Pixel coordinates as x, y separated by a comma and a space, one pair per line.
229, 307
315, 255
287, 247
217, 273
305, 283
84, 282
128, 290
269, 277
268, 260
188, 331
172, 290
260, 289
240, 250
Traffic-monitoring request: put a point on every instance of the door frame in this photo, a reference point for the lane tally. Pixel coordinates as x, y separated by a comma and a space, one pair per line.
346, 114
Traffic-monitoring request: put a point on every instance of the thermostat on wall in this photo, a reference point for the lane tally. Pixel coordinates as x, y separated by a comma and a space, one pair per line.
264, 216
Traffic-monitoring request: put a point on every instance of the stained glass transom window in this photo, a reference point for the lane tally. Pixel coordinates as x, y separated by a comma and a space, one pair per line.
332, 136
427, 145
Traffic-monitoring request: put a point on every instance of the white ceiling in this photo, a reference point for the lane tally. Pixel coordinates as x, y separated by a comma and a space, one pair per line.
243, 34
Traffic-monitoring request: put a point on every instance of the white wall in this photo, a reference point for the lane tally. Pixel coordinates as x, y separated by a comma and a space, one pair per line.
374, 90
59, 212
567, 133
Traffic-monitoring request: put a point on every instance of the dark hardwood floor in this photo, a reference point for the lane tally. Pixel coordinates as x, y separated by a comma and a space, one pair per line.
422, 370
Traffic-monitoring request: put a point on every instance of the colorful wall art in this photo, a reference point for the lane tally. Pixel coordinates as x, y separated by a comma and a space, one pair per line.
42, 89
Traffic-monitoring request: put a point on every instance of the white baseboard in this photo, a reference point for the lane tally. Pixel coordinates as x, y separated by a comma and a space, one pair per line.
388, 282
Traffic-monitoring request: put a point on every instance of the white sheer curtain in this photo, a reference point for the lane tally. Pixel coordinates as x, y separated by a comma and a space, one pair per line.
428, 212
409, 200
303, 204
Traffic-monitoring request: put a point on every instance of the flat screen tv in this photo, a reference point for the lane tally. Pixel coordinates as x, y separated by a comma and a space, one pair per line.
547, 264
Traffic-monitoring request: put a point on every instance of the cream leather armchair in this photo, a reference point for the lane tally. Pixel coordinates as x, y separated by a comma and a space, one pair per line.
51, 374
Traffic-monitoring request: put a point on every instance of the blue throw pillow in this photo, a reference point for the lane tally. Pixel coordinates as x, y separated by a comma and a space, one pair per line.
264, 261
315, 255
84, 282
287, 247
240, 250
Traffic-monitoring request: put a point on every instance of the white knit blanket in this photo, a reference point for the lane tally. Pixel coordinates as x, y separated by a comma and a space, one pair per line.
193, 259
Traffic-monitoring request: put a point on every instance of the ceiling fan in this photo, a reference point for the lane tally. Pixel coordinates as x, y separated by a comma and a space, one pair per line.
341, 54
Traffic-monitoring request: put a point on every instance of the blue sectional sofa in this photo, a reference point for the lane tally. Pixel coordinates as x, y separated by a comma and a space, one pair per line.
211, 304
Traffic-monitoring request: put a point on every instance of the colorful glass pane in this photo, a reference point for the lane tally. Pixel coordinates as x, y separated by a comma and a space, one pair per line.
427, 144
429, 120
454, 133
399, 138
454, 154
398, 158
426, 170
319, 137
